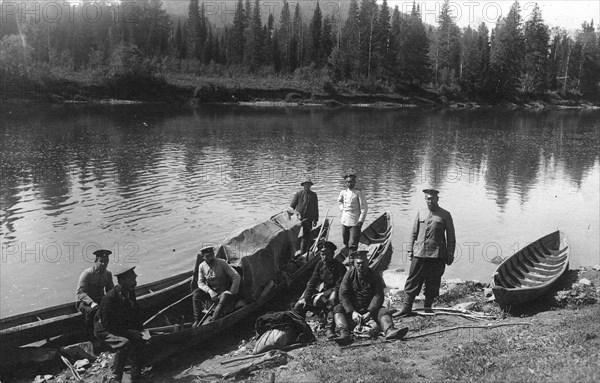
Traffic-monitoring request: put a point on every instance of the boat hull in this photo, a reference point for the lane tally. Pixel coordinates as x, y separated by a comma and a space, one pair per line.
531, 272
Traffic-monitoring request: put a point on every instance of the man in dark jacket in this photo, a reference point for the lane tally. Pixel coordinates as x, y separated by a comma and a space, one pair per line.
306, 203
361, 303
432, 248
118, 322
322, 290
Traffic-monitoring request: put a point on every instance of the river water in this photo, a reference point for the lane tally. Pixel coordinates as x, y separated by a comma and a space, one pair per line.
155, 183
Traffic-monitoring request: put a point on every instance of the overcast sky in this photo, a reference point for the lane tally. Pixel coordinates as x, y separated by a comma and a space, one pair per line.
568, 14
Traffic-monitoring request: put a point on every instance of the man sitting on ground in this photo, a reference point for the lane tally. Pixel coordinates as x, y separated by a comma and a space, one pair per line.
361, 302
321, 293
93, 284
218, 283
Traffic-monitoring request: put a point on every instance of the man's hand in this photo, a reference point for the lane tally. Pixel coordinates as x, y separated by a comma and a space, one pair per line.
302, 302
410, 255
366, 317
331, 300
214, 296
357, 318
314, 223
94, 305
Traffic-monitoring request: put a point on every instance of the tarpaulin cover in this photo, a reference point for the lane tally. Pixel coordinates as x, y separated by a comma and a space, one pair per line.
260, 251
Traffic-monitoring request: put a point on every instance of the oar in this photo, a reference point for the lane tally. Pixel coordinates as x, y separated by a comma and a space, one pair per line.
167, 308
207, 314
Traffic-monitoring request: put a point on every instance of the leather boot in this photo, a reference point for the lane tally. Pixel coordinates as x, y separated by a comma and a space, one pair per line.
340, 323
427, 305
330, 327
406, 308
217, 314
390, 332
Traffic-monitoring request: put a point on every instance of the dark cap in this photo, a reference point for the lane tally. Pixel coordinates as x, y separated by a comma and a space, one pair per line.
328, 245
125, 272
359, 254
207, 250
102, 253
353, 176
431, 192
306, 181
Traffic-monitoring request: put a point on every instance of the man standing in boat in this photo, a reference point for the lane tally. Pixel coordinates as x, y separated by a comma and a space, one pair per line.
306, 203
118, 322
432, 245
353, 206
93, 284
361, 303
218, 284
322, 290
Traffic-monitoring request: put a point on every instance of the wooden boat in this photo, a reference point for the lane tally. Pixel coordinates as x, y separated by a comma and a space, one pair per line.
531, 271
377, 240
63, 324
256, 272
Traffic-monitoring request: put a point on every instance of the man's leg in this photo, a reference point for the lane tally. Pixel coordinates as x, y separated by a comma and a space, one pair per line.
341, 324
433, 279
345, 235
88, 316
354, 238
198, 299
306, 228
413, 285
387, 325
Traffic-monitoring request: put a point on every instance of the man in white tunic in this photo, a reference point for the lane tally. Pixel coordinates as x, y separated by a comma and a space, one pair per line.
353, 206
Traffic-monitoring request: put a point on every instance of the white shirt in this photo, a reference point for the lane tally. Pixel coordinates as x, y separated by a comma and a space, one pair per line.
353, 206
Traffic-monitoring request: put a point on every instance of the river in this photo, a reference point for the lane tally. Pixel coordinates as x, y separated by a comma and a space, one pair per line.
155, 183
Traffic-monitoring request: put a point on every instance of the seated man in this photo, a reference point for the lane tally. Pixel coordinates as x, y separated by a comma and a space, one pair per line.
118, 322
93, 284
217, 282
361, 300
321, 293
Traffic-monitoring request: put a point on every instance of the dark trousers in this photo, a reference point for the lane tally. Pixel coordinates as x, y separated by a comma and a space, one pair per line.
351, 235
201, 301
88, 316
306, 229
427, 270
132, 348
339, 309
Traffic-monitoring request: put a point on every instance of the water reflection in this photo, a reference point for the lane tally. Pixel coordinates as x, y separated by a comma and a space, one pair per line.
155, 182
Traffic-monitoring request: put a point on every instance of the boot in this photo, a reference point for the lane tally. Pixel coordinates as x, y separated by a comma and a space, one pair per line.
330, 327
407, 308
427, 305
340, 323
217, 314
389, 330
303, 246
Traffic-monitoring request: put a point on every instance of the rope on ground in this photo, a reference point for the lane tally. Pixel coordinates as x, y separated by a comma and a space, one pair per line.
465, 327
467, 316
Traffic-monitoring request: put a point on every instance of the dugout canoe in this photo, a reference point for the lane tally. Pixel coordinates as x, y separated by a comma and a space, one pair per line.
531, 271
63, 324
376, 238
269, 269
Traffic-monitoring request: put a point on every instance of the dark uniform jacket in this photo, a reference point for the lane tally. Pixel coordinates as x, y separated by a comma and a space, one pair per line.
118, 313
433, 235
307, 204
362, 293
330, 273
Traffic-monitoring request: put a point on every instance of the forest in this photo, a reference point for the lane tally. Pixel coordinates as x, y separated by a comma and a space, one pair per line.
370, 49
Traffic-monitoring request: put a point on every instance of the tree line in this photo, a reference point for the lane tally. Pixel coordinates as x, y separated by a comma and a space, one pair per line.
375, 48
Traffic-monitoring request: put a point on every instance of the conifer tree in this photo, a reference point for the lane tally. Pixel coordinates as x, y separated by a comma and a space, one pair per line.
535, 64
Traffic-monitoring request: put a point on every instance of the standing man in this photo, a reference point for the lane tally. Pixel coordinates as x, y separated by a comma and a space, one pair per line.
431, 249
361, 303
353, 206
93, 284
306, 203
322, 290
217, 282
118, 322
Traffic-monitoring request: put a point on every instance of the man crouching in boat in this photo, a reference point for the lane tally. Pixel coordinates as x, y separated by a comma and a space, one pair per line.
361, 303
321, 293
118, 322
93, 284
218, 283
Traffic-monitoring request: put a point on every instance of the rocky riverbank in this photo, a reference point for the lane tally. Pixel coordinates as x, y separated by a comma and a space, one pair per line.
556, 338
